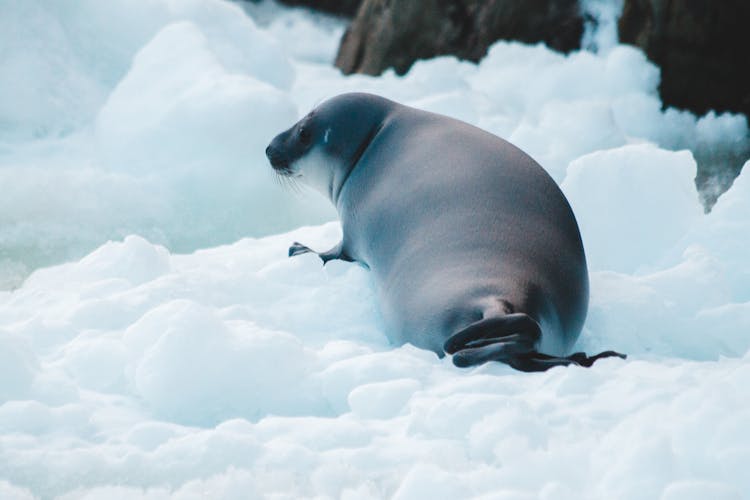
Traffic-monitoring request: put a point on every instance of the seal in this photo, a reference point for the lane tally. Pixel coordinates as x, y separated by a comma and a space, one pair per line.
474, 249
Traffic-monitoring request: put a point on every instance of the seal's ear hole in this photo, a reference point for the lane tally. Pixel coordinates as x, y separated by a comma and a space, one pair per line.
304, 136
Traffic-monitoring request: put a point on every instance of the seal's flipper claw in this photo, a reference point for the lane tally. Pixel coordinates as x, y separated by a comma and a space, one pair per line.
523, 361
582, 359
538, 362
334, 253
298, 249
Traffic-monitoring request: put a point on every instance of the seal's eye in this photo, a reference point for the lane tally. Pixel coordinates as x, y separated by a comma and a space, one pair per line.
304, 136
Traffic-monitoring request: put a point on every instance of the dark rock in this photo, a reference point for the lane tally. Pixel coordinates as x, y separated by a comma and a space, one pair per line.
718, 167
347, 8
395, 33
701, 47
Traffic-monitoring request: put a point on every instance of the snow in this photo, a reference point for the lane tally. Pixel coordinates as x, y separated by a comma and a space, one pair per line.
156, 342
628, 204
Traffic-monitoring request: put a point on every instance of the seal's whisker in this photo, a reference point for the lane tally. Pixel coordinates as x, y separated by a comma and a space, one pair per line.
289, 183
294, 184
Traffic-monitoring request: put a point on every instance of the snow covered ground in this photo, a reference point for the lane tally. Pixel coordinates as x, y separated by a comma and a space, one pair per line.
189, 358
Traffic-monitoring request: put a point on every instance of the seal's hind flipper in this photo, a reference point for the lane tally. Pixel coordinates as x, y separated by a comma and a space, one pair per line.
510, 339
581, 359
538, 362
334, 253
501, 338
519, 328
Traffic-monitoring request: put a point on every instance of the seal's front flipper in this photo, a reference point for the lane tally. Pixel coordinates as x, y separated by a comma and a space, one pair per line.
298, 249
334, 253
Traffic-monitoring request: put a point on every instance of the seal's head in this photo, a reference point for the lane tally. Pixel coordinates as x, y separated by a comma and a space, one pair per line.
324, 147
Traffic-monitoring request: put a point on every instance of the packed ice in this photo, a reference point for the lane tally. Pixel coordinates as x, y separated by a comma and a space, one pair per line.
156, 341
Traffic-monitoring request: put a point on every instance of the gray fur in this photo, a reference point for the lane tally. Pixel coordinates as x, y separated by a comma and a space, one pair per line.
457, 225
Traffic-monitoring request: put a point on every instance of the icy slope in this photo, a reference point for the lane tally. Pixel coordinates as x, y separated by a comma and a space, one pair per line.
235, 372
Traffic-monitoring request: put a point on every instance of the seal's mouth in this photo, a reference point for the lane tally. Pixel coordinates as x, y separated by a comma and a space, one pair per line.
283, 169
285, 175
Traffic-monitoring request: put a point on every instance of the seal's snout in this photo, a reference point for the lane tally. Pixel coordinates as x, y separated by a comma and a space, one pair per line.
278, 161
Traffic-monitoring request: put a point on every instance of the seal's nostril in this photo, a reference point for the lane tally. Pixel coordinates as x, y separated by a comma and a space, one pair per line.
272, 155
278, 161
